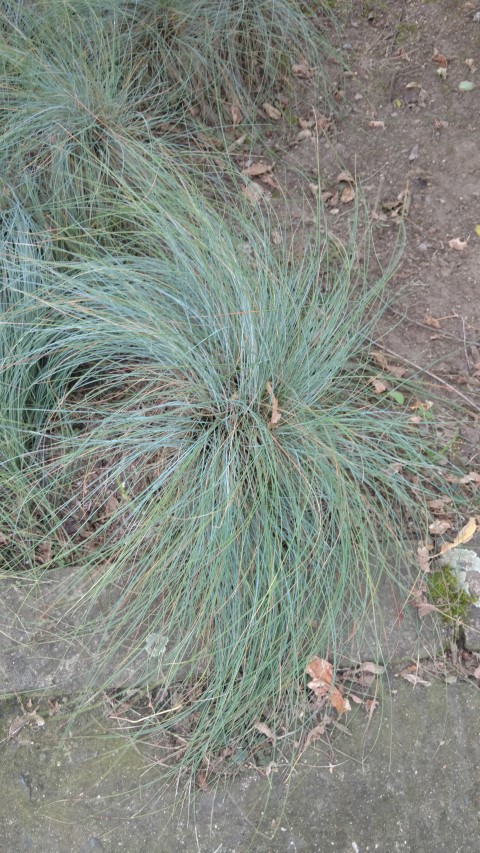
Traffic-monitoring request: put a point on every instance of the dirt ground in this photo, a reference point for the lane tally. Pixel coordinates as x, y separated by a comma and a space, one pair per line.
408, 133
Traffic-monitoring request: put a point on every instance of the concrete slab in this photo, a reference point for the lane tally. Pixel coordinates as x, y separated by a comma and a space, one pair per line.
407, 781
34, 616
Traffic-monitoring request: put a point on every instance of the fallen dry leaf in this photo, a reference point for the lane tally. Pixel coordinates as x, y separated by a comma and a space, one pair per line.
457, 244
422, 604
415, 679
24, 720
373, 668
265, 730
315, 733
269, 181
377, 124
438, 504
321, 672
423, 558
432, 321
236, 114
272, 765
322, 122
345, 177
370, 706
272, 111
256, 169
303, 134
472, 477
378, 385
439, 526
347, 195
43, 552
440, 59
380, 358
320, 669
302, 69
275, 416
463, 536
253, 192
471, 65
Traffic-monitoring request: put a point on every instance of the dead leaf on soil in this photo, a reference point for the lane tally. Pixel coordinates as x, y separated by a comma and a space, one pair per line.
345, 178
380, 359
208, 141
463, 536
272, 111
458, 244
370, 706
236, 114
315, 733
267, 770
378, 385
269, 181
318, 121
472, 477
321, 672
423, 558
265, 730
373, 668
471, 65
25, 720
379, 125
432, 322
275, 416
253, 192
302, 70
438, 504
303, 134
43, 553
440, 59
415, 679
256, 169
348, 195
440, 526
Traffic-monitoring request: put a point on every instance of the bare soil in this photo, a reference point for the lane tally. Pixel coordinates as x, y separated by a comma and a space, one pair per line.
408, 134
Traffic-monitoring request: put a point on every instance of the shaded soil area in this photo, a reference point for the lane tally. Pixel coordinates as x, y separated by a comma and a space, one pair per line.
408, 135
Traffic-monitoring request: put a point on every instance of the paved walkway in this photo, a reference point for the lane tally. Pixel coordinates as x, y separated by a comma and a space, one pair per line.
410, 781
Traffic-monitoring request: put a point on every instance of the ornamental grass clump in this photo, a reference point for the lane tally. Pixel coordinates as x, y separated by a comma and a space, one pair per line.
73, 98
215, 461
225, 58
